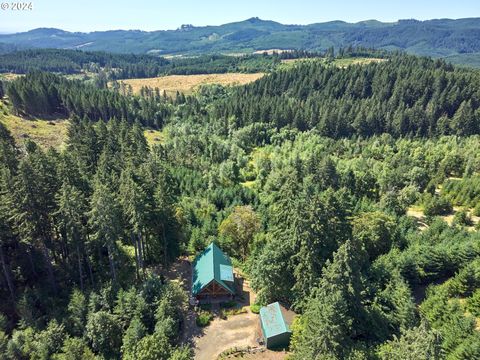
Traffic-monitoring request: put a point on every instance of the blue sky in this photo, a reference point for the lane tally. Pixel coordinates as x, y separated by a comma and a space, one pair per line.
90, 15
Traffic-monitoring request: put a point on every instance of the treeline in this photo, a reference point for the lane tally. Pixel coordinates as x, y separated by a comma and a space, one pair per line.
402, 96
40, 94
92, 218
361, 51
8, 48
331, 52
211, 64
74, 61
126, 66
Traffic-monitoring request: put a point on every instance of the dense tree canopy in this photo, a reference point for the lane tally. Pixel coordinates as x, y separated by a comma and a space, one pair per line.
66, 229
401, 96
348, 194
126, 66
40, 94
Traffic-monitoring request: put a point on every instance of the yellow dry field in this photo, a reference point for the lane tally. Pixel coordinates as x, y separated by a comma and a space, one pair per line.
9, 76
187, 84
53, 133
46, 133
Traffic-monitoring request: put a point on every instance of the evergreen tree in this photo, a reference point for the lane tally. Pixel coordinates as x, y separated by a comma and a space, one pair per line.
333, 316
417, 343
105, 221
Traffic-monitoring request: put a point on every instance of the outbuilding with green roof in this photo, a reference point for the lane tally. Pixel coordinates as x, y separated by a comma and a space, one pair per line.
275, 322
212, 276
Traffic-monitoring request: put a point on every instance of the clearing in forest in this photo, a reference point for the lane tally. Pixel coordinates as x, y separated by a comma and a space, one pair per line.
46, 133
53, 133
187, 84
9, 76
154, 137
223, 333
417, 212
341, 62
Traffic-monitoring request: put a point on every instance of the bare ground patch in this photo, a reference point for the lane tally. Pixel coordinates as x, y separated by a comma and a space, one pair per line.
267, 355
418, 214
220, 335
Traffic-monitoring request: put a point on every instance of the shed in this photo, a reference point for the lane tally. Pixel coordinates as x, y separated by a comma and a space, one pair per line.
275, 321
212, 276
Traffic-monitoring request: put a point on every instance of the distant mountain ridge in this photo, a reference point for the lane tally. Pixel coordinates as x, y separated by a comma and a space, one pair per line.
455, 39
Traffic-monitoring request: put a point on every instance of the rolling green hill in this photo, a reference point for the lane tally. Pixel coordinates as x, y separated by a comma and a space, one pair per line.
458, 39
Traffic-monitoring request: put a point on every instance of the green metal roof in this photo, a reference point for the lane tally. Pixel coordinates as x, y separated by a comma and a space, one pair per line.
272, 320
212, 265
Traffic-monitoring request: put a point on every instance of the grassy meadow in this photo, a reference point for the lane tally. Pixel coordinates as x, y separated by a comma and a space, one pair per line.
187, 84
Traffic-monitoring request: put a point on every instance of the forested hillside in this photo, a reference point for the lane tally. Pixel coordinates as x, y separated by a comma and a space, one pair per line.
41, 93
402, 96
456, 39
356, 191
69, 230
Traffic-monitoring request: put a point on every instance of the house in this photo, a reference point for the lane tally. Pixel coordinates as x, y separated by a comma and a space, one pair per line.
275, 323
212, 277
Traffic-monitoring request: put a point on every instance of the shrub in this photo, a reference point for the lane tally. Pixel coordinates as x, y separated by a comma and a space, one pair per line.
104, 332
182, 353
255, 308
437, 206
374, 230
75, 349
234, 311
462, 218
3, 342
203, 318
476, 210
155, 346
473, 303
